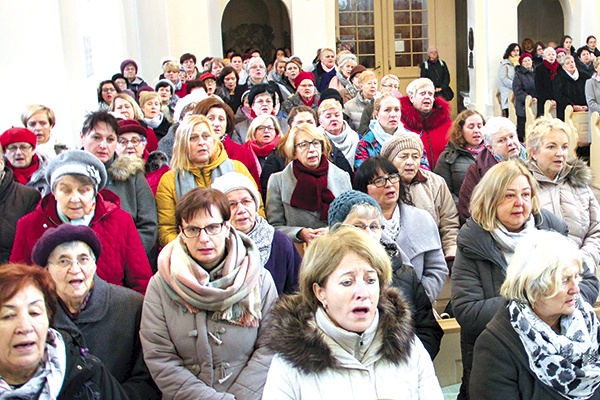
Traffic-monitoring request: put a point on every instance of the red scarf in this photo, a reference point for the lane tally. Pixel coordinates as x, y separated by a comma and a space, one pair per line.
311, 192
552, 67
23, 175
309, 102
263, 151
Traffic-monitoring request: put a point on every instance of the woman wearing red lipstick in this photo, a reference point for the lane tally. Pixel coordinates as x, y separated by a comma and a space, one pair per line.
504, 208
565, 185
543, 341
346, 334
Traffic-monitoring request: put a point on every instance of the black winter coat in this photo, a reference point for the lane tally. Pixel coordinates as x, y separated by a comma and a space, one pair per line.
543, 87
568, 92
523, 85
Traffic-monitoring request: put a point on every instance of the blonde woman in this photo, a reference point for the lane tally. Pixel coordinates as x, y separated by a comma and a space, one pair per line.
355, 107
263, 136
125, 107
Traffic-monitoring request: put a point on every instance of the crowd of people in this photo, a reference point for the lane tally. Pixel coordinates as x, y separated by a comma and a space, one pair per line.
244, 230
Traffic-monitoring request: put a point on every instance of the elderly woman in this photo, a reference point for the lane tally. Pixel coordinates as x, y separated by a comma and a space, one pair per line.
27, 166
411, 228
40, 120
354, 108
106, 92
277, 252
542, 343
358, 209
344, 63
523, 86
390, 83
299, 196
306, 93
206, 308
345, 327
93, 309
565, 185
544, 75
423, 188
569, 88
76, 178
198, 158
465, 142
332, 124
386, 124
262, 138
504, 208
44, 363
506, 74
150, 103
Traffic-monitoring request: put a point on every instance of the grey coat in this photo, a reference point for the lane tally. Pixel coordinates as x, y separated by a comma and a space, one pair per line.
291, 220
109, 327
452, 166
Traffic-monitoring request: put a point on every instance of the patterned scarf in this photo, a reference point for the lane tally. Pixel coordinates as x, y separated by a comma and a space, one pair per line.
48, 379
231, 290
475, 152
23, 175
311, 192
262, 234
568, 361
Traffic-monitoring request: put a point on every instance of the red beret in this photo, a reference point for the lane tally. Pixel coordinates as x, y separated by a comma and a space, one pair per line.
302, 76
207, 75
525, 55
131, 126
14, 135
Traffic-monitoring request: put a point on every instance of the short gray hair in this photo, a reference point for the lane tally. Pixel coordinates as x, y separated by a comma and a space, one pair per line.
417, 84
493, 126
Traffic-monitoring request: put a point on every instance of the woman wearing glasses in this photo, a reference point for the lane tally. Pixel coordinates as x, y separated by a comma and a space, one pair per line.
413, 229
205, 310
263, 136
306, 93
298, 197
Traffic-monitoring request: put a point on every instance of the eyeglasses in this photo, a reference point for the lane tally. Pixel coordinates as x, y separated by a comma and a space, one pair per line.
135, 142
265, 128
380, 182
317, 144
191, 232
106, 90
12, 148
244, 202
66, 263
372, 227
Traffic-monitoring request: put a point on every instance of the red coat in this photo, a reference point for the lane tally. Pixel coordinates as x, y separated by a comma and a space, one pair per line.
238, 152
123, 260
432, 129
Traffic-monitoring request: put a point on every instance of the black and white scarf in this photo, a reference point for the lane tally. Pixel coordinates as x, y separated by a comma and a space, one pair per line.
262, 235
568, 361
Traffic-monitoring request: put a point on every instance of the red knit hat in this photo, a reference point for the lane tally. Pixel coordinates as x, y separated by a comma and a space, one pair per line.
131, 126
14, 135
302, 76
525, 55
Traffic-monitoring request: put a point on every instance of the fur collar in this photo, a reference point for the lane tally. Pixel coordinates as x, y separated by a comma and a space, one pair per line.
412, 119
293, 333
124, 167
580, 175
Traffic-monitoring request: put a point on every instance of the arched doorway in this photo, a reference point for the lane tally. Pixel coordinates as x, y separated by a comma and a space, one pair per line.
260, 24
541, 20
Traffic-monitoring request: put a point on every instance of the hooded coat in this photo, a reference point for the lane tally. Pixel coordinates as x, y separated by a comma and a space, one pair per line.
432, 128
452, 166
309, 364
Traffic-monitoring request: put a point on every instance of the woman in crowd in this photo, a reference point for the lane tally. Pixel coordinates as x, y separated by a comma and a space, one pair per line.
353, 108
125, 107
569, 88
413, 229
228, 89
40, 120
16, 200
465, 142
566, 42
389, 83
171, 70
592, 89
590, 42
188, 62
122, 83
206, 308
168, 98
277, 252
523, 86
385, 124
306, 93
216, 66
47, 364
292, 68
28, 167
358, 209
425, 189
506, 73
505, 207
299, 196
106, 92
332, 124
544, 75
93, 309
542, 343
198, 158
76, 178
344, 63
150, 103
538, 54
345, 327
565, 185
262, 138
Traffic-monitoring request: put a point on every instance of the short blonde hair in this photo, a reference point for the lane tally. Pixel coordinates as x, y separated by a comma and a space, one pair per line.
492, 188
417, 84
537, 266
258, 121
390, 77
325, 254
146, 96
379, 99
366, 76
137, 111
289, 147
171, 66
181, 148
328, 104
32, 109
542, 127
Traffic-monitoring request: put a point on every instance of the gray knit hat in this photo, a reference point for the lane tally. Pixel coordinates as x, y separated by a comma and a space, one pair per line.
233, 181
76, 162
401, 141
341, 206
